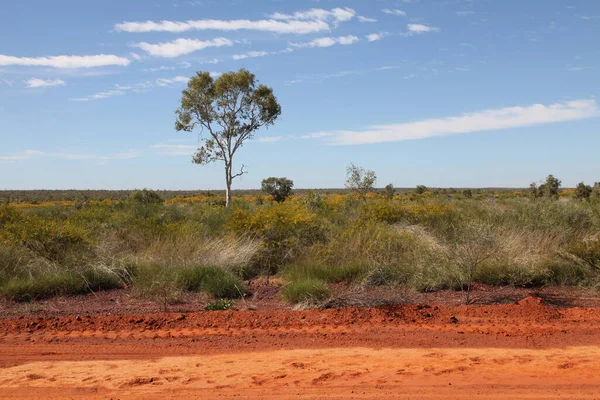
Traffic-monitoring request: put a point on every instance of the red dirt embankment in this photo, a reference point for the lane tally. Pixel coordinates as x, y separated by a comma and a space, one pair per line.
524, 350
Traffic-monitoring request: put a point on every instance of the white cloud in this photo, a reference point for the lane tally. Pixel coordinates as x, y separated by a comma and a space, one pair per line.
29, 154
464, 13
250, 54
317, 14
128, 155
135, 56
420, 28
487, 120
185, 64
365, 19
139, 87
269, 139
274, 26
157, 69
394, 12
101, 95
180, 46
175, 149
328, 41
373, 37
101, 60
211, 61
386, 67
21, 155
37, 83
178, 79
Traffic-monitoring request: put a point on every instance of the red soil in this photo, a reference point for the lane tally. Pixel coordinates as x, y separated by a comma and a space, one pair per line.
522, 350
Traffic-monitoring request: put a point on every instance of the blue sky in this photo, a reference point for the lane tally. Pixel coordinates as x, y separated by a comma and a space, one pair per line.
450, 93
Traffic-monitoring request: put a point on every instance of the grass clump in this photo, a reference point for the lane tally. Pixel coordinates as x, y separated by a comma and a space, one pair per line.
212, 280
347, 272
307, 290
59, 283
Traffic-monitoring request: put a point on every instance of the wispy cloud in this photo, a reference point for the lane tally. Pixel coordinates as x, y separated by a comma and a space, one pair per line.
21, 155
250, 54
420, 28
211, 61
464, 13
180, 46
387, 67
30, 154
167, 81
38, 83
336, 15
100, 95
138, 87
373, 37
365, 19
175, 149
275, 26
394, 12
101, 60
328, 41
157, 69
254, 54
487, 120
269, 139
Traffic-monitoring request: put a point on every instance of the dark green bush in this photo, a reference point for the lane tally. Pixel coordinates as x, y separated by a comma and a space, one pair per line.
305, 290
212, 280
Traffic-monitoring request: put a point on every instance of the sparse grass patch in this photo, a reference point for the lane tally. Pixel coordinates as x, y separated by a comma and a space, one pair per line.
349, 272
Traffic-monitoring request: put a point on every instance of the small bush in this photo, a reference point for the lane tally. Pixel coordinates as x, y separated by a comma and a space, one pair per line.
212, 280
306, 290
145, 197
219, 305
278, 188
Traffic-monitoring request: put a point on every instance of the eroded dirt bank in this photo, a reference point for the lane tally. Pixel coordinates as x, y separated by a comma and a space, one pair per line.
526, 350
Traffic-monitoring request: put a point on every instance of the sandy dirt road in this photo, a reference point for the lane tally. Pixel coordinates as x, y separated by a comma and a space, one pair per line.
519, 351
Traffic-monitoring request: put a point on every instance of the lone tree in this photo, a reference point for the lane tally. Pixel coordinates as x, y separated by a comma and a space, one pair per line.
360, 180
420, 189
278, 188
229, 110
583, 191
390, 191
550, 187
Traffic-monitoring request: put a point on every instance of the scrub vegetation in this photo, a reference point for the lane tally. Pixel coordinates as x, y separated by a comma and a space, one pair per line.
424, 239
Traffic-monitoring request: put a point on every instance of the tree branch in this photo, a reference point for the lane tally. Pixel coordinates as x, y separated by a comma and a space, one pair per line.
242, 172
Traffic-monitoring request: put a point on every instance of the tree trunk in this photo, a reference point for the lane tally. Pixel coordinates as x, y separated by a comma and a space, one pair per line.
227, 185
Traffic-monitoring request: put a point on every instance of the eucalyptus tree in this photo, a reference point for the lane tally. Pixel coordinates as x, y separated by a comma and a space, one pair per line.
228, 111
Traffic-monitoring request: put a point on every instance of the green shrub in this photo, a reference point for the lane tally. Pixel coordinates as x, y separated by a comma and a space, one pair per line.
219, 305
212, 280
145, 197
306, 290
278, 188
